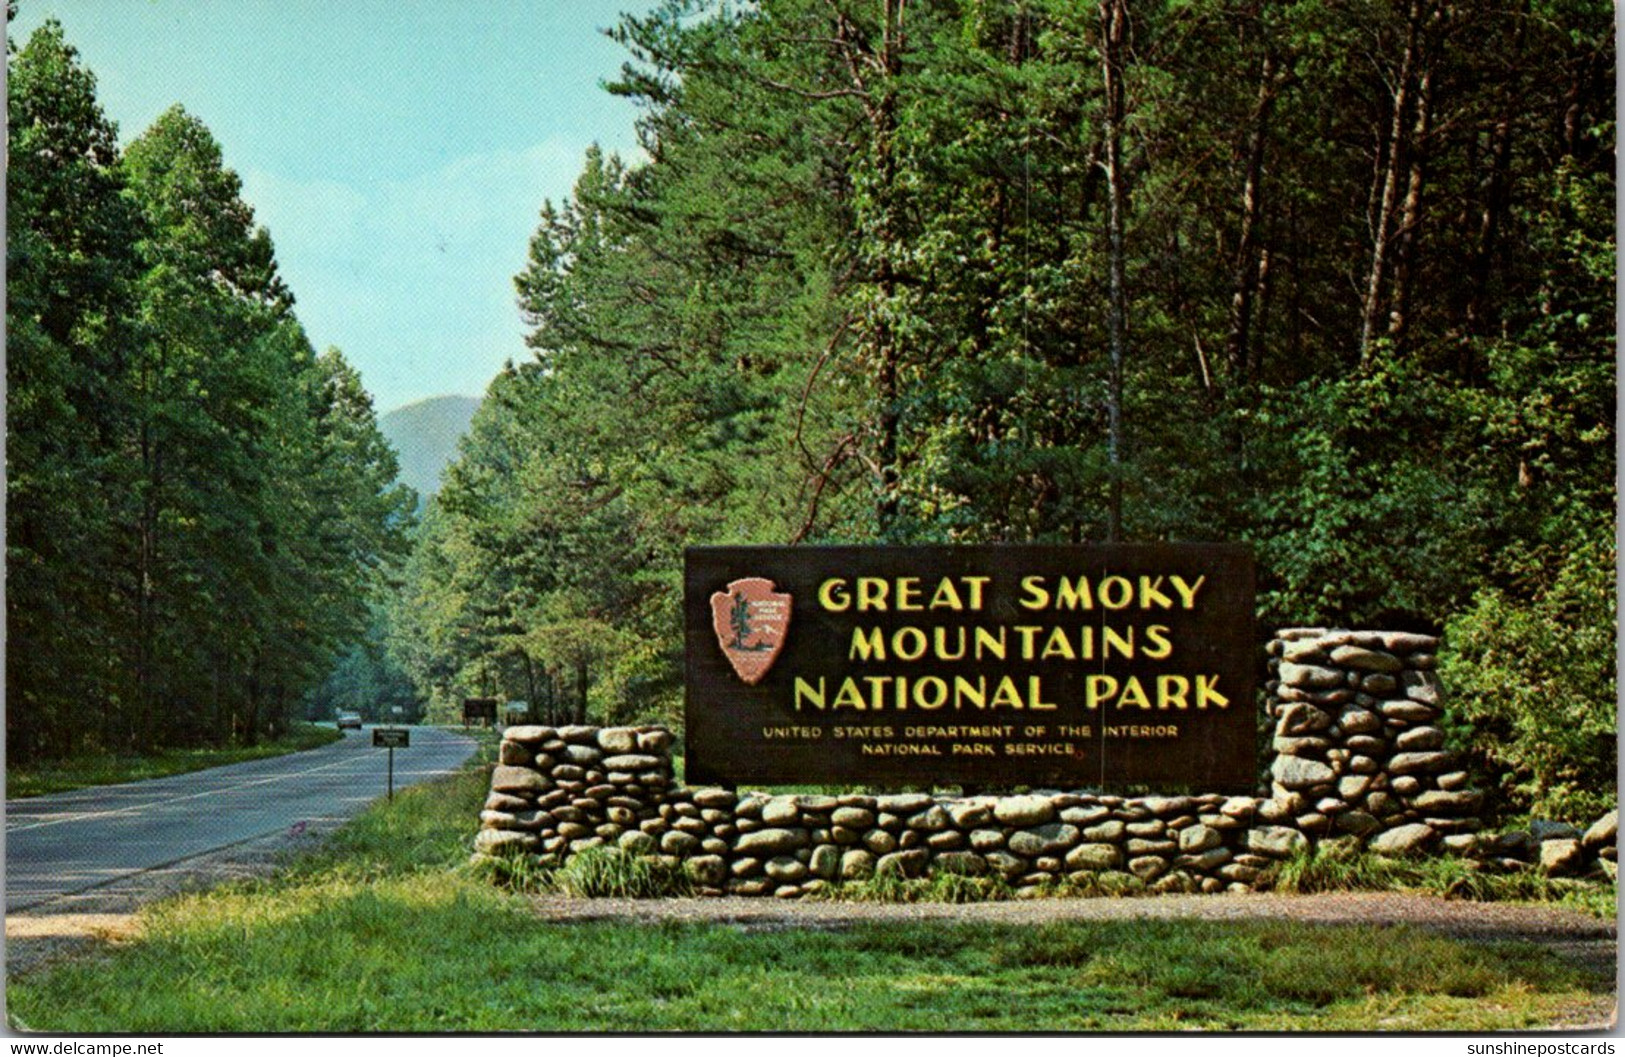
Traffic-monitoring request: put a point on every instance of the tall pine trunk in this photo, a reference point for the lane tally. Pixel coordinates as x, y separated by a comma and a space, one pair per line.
1113, 30
1410, 216
1251, 264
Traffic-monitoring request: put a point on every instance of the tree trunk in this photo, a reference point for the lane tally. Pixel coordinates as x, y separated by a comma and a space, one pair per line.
1495, 205
883, 128
581, 688
532, 701
1383, 222
144, 718
1113, 30
1250, 266
249, 730
1410, 223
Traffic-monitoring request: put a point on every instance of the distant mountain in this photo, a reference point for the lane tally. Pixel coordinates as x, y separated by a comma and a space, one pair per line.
425, 435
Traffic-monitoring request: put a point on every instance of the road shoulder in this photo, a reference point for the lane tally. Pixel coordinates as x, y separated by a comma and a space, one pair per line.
81, 923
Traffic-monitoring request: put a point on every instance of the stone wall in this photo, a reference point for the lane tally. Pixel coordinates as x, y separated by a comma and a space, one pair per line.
1360, 761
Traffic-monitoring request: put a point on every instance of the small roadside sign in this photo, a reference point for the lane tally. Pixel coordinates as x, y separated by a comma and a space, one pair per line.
391, 738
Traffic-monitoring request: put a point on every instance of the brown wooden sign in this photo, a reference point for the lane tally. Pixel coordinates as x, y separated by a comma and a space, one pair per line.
480, 710
1088, 666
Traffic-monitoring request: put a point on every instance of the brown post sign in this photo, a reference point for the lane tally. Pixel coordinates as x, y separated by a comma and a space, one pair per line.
1105, 665
482, 710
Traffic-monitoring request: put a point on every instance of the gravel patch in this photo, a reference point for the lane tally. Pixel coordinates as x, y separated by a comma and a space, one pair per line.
1454, 917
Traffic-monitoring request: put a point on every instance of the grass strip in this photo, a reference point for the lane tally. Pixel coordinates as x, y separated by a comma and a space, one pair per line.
60, 776
441, 953
386, 930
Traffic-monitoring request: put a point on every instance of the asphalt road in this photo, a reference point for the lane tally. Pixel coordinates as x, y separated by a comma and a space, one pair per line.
69, 842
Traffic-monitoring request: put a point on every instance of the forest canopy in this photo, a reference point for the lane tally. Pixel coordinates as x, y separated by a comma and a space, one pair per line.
1332, 278
200, 508
1335, 279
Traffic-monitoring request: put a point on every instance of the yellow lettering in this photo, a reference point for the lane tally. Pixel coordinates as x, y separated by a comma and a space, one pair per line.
1006, 695
908, 594
1151, 592
976, 583
833, 597
1027, 633
1113, 639
1171, 691
908, 643
1074, 595
1058, 646
965, 690
1207, 690
939, 636
1133, 694
1038, 596
849, 696
1035, 694
946, 596
985, 640
939, 692
1098, 688
867, 646
1160, 648
1187, 591
1115, 592
804, 691
872, 591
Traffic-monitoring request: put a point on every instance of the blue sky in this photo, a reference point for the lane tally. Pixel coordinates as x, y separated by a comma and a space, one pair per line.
398, 151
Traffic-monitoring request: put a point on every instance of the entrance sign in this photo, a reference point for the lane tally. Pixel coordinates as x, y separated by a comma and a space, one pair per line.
1089, 666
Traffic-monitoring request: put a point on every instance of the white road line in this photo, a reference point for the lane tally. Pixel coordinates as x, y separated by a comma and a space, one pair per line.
216, 791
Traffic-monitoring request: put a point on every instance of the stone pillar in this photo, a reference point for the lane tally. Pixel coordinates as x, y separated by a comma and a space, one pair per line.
1359, 753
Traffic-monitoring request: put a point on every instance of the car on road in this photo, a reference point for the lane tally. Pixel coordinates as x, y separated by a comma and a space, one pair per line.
351, 720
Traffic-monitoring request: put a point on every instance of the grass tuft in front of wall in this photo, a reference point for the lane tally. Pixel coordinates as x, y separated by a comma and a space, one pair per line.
1453, 878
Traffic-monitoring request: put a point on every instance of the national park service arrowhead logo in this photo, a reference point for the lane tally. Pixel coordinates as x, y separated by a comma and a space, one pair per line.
750, 619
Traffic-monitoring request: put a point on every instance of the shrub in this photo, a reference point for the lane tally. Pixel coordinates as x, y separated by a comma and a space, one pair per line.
1533, 687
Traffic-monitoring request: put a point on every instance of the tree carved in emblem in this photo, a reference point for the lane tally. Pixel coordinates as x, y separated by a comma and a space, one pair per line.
739, 620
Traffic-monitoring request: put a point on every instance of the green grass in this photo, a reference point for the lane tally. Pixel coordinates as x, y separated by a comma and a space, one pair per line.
940, 887
60, 776
597, 873
387, 928
1454, 878
428, 954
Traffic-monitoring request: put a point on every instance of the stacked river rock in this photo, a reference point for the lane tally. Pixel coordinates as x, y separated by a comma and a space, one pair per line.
1358, 751
1359, 762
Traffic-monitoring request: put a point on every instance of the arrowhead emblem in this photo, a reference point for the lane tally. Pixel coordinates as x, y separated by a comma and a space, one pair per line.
750, 619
